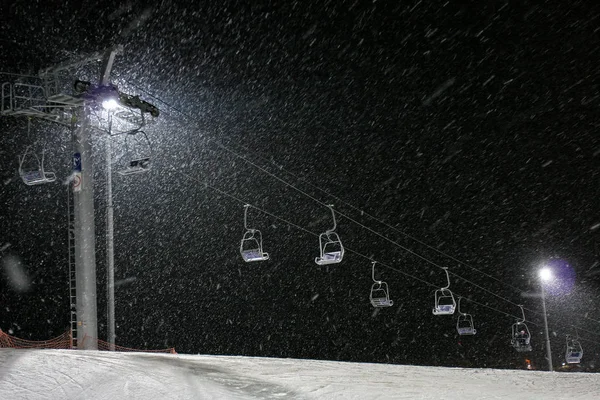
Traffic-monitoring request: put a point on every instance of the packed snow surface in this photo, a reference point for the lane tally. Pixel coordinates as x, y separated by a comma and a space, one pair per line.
69, 374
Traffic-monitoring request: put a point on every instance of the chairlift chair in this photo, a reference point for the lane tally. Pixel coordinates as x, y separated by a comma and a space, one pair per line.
139, 158
574, 351
521, 337
136, 166
31, 169
251, 245
464, 324
332, 250
444, 299
380, 293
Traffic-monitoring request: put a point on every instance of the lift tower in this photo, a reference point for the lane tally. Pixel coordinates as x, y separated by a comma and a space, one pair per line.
42, 97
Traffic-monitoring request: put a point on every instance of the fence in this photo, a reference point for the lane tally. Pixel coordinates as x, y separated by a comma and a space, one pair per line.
65, 341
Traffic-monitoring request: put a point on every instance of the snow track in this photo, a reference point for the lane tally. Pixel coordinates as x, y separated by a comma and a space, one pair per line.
68, 374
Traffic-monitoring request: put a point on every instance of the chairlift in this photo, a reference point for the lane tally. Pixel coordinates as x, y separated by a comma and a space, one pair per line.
380, 294
444, 299
138, 154
31, 168
464, 324
251, 245
521, 337
574, 351
332, 250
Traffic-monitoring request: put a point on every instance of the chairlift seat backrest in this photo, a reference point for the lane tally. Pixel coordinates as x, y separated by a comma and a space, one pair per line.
574, 351
573, 358
332, 250
34, 174
251, 246
140, 163
380, 295
444, 302
136, 166
464, 325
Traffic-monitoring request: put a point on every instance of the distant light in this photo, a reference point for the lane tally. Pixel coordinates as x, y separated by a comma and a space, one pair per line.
546, 274
110, 104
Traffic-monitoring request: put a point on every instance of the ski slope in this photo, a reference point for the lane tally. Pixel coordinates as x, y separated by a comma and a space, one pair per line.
69, 374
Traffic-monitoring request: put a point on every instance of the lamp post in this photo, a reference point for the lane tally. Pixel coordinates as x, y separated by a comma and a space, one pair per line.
545, 276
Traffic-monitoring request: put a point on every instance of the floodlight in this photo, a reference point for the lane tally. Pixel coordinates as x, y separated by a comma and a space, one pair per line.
110, 104
546, 274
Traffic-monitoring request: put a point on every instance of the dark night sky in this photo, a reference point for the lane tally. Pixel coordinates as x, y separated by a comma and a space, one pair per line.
470, 126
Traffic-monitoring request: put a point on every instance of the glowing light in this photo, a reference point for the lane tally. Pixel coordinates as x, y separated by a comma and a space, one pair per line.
110, 104
546, 274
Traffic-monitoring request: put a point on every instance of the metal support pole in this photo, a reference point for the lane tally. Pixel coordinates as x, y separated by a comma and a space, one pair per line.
110, 247
107, 65
548, 350
85, 234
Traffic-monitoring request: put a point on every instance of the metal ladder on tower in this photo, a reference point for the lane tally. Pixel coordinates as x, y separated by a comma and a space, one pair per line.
72, 275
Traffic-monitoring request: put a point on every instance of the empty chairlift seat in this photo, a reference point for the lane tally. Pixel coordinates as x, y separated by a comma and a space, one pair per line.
137, 154
332, 250
135, 167
444, 302
251, 246
573, 357
464, 323
31, 169
380, 293
574, 351
330, 245
444, 299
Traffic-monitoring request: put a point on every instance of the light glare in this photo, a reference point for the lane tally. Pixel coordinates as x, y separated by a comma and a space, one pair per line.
109, 104
545, 274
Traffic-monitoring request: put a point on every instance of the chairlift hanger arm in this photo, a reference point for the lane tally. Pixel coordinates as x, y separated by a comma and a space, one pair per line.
447, 277
246, 206
107, 63
333, 216
458, 306
95, 57
373, 272
522, 313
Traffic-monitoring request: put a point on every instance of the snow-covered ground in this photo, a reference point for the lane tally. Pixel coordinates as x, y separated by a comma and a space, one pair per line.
68, 374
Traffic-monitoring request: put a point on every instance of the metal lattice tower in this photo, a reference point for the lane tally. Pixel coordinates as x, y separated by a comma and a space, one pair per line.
72, 275
42, 97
